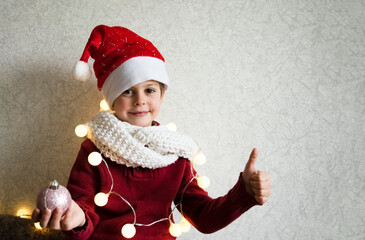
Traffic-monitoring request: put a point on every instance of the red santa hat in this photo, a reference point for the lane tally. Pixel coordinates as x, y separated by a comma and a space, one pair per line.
122, 60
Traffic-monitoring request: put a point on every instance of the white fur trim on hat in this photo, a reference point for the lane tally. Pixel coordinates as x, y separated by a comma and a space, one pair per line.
82, 71
131, 72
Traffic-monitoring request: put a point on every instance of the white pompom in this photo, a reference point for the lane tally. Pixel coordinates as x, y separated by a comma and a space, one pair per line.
82, 71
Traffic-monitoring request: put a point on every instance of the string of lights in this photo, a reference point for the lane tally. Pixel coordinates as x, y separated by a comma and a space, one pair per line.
101, 198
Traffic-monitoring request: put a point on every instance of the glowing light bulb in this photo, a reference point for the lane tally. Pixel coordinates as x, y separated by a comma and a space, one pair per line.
175, 230
101, 199
185, 225
81, 130
199, 159
203, 182
94, 158
171, 126
37, 225
104, 105
23, 213
128, 230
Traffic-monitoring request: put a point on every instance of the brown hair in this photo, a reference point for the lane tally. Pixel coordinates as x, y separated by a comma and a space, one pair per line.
162, 87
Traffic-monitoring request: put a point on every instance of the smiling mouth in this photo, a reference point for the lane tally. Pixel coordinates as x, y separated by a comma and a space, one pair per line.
139, 114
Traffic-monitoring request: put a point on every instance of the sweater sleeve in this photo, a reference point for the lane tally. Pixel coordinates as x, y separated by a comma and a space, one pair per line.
206, 214
83, 184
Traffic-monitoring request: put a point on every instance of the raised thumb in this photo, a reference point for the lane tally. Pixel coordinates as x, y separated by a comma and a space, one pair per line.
250, 165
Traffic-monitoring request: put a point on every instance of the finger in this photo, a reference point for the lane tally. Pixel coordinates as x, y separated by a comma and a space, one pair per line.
66, 223
36, 215
55, 220
257, 179
46, 216
74, 217
260, 185
261, 200
260, 176
250, 165
67, 219
262, 192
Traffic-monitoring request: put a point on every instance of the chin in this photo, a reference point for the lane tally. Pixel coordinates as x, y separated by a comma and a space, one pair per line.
142, 123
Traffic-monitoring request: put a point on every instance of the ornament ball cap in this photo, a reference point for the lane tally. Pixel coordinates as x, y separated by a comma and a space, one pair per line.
54, 185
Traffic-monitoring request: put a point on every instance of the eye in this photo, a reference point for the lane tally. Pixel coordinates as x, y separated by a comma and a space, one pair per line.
127, 92
150, 90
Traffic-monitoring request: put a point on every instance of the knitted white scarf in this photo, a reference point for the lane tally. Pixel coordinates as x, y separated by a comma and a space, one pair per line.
133, 146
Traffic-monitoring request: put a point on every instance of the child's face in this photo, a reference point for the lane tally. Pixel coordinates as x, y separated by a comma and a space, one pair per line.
140, 104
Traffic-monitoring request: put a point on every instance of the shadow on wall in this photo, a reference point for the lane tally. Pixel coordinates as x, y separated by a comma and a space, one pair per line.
41, 106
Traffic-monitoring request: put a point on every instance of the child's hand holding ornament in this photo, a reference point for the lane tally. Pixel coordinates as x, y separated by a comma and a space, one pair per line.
56, 210
53, 196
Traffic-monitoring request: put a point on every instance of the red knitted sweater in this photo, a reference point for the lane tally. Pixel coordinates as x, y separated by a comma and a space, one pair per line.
150, 192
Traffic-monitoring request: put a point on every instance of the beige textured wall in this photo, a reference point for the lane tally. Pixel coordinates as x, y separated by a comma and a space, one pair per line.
285, 76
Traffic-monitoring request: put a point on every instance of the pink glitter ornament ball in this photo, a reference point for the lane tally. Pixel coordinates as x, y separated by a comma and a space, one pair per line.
53, 196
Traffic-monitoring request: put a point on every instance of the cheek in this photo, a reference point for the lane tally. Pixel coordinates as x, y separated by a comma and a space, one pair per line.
156, 104
120, 108
121, 104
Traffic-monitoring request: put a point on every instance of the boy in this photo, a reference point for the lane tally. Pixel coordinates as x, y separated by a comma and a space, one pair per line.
146, 166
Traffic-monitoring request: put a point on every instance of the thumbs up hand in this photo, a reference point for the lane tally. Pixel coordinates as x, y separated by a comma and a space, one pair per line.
258, 184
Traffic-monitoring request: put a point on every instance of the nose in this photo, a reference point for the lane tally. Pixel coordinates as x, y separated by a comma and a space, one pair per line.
140, 100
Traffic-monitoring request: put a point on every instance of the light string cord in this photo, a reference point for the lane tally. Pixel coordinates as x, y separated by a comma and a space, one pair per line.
112, 192
130, 205
128, 230
150, 224
186, 186
133, 210
110, 174
182, 195
172, 211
